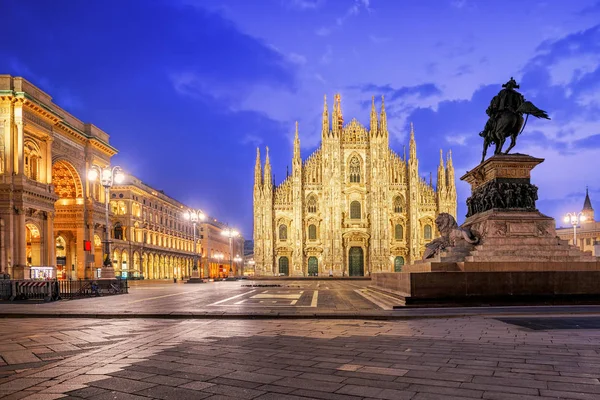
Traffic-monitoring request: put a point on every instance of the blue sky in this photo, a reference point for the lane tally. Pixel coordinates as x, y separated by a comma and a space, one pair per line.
188, 88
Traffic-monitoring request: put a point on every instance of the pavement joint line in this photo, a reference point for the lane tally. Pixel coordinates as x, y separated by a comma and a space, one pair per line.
135, 339
233, 297
160, 297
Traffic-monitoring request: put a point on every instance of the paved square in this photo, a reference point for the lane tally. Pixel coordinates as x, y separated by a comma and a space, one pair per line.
459, 358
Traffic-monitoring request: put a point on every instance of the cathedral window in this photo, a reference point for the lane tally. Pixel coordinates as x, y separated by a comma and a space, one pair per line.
398, 232
312, 205
354, 169
312, 232
282, 232
355, 210
397, 204
427, 232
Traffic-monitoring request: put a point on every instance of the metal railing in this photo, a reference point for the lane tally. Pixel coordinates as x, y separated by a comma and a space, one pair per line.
51, 290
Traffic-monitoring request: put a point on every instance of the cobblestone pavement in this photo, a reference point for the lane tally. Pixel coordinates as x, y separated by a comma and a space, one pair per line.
461, 358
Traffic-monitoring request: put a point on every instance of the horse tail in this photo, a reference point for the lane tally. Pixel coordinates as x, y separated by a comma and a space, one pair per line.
524, 123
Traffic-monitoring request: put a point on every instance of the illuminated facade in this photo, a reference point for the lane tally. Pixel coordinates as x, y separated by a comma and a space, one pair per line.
48, 208
151, 237
588, 231
352, 207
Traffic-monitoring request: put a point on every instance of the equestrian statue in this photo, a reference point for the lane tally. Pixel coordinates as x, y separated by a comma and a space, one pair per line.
505, 114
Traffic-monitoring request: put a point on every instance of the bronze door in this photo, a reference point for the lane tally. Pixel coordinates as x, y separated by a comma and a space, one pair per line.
284, 266
313, 266
356, 260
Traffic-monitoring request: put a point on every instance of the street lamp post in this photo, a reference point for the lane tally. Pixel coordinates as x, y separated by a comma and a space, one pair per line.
237, 260
194, 216
230, 233
108, 176
574, 219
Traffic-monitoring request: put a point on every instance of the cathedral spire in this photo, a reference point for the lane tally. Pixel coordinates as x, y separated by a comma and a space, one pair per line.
588, 210
257, 170
450, 171
441, 175
383, 119
413, 144
297, 159
337, 118
373, 118
268, 179
325, 129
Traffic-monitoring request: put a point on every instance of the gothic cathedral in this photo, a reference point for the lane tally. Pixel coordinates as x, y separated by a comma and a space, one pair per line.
352, 208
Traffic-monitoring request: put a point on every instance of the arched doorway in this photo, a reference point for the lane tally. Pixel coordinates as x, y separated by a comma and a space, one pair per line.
356, 262
69, 189
284, 266
313, 266
398, 263
60, 251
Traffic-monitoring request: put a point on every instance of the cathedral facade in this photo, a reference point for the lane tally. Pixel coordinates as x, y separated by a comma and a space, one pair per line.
353, 207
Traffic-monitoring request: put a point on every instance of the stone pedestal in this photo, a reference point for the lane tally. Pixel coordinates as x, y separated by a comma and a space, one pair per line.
107, 273
517, 253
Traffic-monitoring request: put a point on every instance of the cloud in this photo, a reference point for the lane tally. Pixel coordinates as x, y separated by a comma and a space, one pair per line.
297, 58
327, 56
421, 91
593, 8
323, 31
378, 39
354, 10
303, 5
221, 79
254, 140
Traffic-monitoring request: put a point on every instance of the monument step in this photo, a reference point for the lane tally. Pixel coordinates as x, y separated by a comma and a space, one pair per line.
533, 258
553, 251
499, 241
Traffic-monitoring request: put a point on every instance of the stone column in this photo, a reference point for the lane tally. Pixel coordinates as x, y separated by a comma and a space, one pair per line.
50, 257
20, 235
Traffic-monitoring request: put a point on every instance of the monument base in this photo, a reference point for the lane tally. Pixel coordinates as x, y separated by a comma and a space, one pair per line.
107, 273
512, 252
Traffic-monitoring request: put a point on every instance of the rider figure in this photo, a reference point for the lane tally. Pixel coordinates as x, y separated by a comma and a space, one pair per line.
506, 100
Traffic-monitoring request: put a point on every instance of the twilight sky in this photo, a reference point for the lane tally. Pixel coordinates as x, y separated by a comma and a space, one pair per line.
188, 88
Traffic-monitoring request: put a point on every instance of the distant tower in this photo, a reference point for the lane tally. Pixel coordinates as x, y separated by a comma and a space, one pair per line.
588, 211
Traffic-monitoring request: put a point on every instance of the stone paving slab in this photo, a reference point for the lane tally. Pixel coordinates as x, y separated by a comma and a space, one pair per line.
458, 358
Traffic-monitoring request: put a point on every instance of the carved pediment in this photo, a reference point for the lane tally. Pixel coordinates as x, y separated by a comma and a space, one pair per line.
355, 132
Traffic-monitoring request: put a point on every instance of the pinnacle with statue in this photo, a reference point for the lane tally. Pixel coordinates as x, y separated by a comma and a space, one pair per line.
506, 120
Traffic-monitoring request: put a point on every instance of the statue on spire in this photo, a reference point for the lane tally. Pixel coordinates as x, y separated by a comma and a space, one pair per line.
505, 114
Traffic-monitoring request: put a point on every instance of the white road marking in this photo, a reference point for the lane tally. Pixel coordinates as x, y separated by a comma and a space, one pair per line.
241, 301
231, 298
277, 296
315, 297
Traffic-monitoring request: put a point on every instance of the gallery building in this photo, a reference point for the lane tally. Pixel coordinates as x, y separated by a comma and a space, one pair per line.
52, 218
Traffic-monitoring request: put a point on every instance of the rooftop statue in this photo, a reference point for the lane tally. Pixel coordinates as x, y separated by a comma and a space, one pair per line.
505, 114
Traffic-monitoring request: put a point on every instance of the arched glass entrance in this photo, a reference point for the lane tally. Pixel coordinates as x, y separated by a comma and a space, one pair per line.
313, 266
284, 266
356, 262
398, 263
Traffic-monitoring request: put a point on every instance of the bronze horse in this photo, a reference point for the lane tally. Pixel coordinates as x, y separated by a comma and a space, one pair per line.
508, 124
